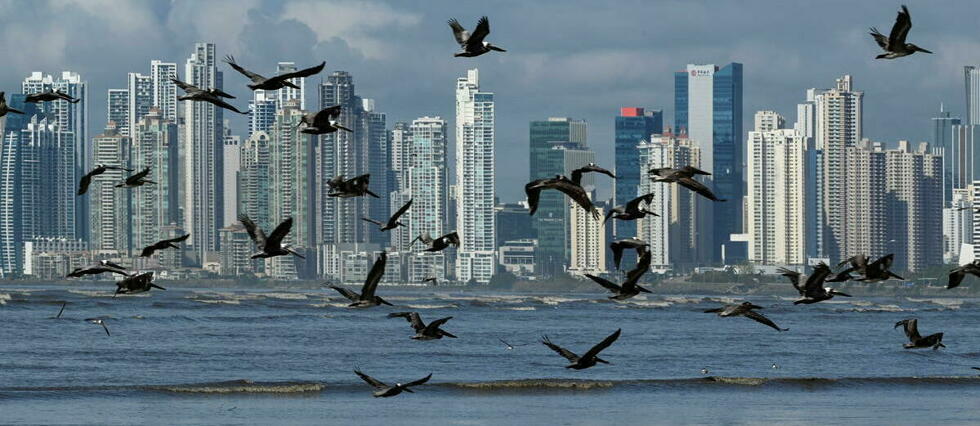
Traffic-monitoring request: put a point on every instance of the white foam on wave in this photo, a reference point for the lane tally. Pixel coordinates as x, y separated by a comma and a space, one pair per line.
449, 306
520, 308
219, 301
287, 296
944, 302
4, 297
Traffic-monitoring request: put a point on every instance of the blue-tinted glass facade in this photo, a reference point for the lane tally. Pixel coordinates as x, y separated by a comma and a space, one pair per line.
630, 130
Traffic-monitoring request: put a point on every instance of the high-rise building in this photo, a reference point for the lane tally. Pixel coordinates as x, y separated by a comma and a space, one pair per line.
203, 153
942, 138
588, 241
109, 209
806, 126
140, 88
632, 126
914, 206
291, 193
971, 79
428, 182
964, 167
154, 207
475, 219
544, 135
291, 93
957, 225
863, 218
776, 192
254, 183
232, 160
117, 108
164, 89
262, 111
708, 105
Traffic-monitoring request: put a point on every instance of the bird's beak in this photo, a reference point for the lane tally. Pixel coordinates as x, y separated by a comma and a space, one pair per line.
408, 390
922, 50
842, 294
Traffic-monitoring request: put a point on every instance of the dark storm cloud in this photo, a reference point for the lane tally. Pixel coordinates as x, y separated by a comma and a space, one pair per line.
576, 58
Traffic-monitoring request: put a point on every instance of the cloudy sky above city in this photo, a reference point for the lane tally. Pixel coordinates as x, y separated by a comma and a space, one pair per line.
576, 58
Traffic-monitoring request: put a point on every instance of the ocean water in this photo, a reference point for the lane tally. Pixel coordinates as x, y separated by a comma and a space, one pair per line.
186, 356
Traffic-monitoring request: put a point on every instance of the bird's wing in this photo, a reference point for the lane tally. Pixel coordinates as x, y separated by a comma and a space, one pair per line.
698, 187
148, 250
400, 212
179, 239
458, 31
694, 170
794, 278
434, 325
353, 297
533, 194
141, 175
609, 285
911, 327
479, 33
814, 282
374, 276
306, 72
642, 266
256, 78
257, 235
322, 118
569, 355
84, 183
275, 238
413, 318
617, 250
903, 23
602, 345
187, 87
634, 204
762, 319
377, 384
576, 193
451, 238
372, 221
417, 382
223, 104
879, 38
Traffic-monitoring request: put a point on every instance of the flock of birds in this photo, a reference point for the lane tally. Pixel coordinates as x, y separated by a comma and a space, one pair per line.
811, 290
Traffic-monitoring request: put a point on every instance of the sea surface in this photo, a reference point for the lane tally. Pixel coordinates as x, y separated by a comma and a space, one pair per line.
186, 356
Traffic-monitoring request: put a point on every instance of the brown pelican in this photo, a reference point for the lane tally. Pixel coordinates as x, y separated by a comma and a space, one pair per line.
684, 176
956, 275
272, 245
393, 220
111, 264
136, 284
473, 44
745, 309
588, 359
355, 187
813, 290
163, 244
879, 270
628, 243
99, 169
4, 108
101, 322
384, 391
895, 45
322, 122
632, 210
935, 341
422, 331
137, 180
589, 168
630, 287
48, 96
859, 264
95, 270
438, 244
211, 96
566, 186
367, 298
433, 280
277, 82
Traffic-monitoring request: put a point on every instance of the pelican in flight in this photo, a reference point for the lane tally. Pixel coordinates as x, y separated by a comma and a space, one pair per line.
354, 187
632, 210
564, 185
384, 391
956, 275
277, 82
272, 245
629, 288
472, 44
136, 284
588, 359
813, 290
509, 346
894, 45
101, 322
323, 121
163, 244
628, 243
99, 169
95, 270
684, 176
879, 270
745, 309
211, 96
437, 244
48, 96
4, 108
589, 168
393, 220
934, 341
423, 331
367, 298
137, 180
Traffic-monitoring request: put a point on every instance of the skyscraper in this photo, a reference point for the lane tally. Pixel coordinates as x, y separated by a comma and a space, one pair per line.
475, 219
708, 105
428, 180
806, 126
109, 209
291, 191
232, 158
254, 180
164, 90
265, 103
914, 206
863, 219
942, 137
154, 207
117, 108
632, 126
588, 241
971, 79
140, 88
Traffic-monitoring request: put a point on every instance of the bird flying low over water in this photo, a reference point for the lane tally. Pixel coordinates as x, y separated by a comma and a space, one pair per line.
99, 169
437, 244
745, 309
632, 210
934, 341
472, 44
957, 274
136, 180
813, 290
627, 243
509, 346
136, 284
95, 270
211, 96
384, 391
393, 220
322, 122
629, 288
423, 331
272, 245
433, 280
101, 322
4, 108
879, 270
588, 359
354, 187
684, 176
894, 45
163, 244
563, 184
367, 298
277, 82
48, 96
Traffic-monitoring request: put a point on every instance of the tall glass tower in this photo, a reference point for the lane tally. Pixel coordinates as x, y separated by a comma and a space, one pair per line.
632, 126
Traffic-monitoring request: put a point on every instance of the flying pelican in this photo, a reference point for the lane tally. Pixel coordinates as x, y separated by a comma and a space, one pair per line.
564, 185
211, 96
48, 96
895, 45
509, 346
589, 168
956, 275
705, 370
277, 82
322, 122
422, 331
472, 44
935, 341
384, 391
588, 359
628, 243
684, 176
4, 108
95, 270
136, 284
630, 287
160, 245
354, 187
813, 290
101, 322
433, 280
745, 309
632, 210
367, 298
859, 264
99, 169
438, 244
393, 220
137, 180
774, 366
272, 245
879, 270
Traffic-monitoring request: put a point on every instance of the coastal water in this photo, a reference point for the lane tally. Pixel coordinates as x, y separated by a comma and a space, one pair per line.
186, 356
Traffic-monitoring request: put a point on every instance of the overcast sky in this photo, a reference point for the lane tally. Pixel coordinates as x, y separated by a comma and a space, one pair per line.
576, 58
